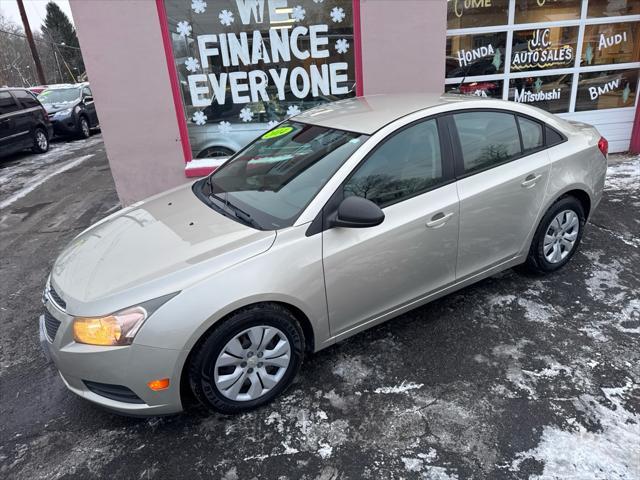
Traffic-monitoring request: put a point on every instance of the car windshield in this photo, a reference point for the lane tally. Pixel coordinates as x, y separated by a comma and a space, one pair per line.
60, 95
269, 183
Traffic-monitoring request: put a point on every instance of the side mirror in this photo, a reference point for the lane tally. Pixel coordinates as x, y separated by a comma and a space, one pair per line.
357, 212
88, 99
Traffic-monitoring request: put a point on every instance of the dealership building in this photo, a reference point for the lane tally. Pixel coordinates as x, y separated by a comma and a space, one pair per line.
181, 84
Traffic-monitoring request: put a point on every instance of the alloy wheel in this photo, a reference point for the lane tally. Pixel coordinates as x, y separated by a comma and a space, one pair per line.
561, 236
41, 140
252, 363
85, 127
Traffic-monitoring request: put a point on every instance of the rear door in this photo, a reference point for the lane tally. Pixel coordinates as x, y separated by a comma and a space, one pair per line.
13, 133
32, 112
373, 271
502, 180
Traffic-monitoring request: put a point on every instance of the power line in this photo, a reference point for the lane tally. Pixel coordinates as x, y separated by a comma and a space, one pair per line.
39, 40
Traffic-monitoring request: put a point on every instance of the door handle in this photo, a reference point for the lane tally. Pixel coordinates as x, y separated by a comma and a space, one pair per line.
439, 219
530, 181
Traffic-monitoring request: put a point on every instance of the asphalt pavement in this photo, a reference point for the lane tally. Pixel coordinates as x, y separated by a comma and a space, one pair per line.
518, 376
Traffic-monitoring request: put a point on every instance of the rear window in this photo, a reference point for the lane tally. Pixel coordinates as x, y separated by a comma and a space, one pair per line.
27, 99
553, 137
7, 103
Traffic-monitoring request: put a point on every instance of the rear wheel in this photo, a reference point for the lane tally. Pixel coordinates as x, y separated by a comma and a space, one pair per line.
40, 141
248, 360
558, 236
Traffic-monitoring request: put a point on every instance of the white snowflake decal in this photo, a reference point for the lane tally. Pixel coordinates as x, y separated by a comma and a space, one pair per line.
226, 17
224, 127
342, 45
198, 6
246, 115
337, 14
184, 29
192, 64
318, 1
272, 123
293, 110
298, 13
199, 118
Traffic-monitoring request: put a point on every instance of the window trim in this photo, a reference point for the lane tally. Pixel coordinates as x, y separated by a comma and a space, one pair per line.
16, 102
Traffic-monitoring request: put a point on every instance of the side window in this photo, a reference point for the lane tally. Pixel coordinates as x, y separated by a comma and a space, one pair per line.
553, 137
405, 165
531, 132
26, 98
7, 103
487, 139
86, 92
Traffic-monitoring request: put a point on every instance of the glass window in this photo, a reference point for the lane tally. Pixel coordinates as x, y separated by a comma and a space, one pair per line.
611, 43
488, 88
86, 92
553, 137
27, 99
246, 65
60, 95
487, 139
481, 54
613, 8
536, 11
551, 93
406, 165
476, 13
531, 133
270, 182
611, 89
543, 48
7, 103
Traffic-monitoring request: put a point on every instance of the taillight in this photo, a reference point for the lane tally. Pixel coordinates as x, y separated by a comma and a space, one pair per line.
603, 145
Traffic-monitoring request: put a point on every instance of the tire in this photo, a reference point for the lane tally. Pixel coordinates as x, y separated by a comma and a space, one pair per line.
84, 129
550, 248
229, 374
40, 141
213, 152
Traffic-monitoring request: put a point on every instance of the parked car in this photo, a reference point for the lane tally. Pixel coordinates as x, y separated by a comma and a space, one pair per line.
23, 122
338, 219
71, 109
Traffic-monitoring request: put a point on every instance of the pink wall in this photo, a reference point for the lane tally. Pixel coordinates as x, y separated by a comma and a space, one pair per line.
403, 44
127, 67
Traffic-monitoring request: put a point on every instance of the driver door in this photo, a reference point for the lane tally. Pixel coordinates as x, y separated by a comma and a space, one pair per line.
370, 272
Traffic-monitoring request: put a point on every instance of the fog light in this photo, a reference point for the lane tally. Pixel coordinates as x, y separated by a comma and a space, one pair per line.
161, 384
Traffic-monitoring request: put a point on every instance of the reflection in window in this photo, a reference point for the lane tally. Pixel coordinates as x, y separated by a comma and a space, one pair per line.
612, 8
611, 43
405, 165
488, 88
481, 54
534, 11
479, 13
552, 93
543, 48
487, 139
611, 89
531, 133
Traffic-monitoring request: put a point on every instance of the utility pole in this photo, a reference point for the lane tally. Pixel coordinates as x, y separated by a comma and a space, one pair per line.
32, 44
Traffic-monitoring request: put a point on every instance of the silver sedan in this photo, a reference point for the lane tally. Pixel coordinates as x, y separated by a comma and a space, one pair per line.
334, 221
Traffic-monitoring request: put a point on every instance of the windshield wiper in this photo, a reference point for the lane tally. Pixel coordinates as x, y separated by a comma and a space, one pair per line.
240, 214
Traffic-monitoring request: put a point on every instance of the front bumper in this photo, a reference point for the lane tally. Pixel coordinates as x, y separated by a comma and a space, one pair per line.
64, 126
127, 366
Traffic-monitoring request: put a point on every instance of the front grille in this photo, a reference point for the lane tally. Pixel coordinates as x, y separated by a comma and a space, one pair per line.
113, 392
57, 298
51, 325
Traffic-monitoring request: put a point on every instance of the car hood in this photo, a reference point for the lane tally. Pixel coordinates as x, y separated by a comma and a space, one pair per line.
56, 107
153, 248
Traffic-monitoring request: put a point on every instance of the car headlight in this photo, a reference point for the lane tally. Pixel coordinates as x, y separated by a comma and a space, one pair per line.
116, 329
119, 328
63, 113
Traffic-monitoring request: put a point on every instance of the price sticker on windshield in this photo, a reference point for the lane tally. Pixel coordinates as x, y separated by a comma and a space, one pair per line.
278, 132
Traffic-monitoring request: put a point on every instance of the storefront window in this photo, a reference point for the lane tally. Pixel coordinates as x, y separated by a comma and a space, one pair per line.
611, 43
246, 66
613, 8
476, 13
481, 54
534, 11
543, 48
488, 88
552, 93
611, 89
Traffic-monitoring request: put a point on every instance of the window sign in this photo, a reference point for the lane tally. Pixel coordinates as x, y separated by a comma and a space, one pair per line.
244, 66
543, 48
476, 13
611, 89
611, 43
481, 54
613, 8
552, 93
535, 11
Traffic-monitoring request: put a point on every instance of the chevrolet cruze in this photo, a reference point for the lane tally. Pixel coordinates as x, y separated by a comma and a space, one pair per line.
334, 221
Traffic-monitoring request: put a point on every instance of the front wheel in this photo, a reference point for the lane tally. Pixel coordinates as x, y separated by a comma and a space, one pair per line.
248, 360
40, 141
84, 131
558, 236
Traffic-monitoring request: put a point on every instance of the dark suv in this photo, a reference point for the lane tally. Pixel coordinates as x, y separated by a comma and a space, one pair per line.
23, 122
71, 109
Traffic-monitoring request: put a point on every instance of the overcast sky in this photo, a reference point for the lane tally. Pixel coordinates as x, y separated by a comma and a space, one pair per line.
36, 11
